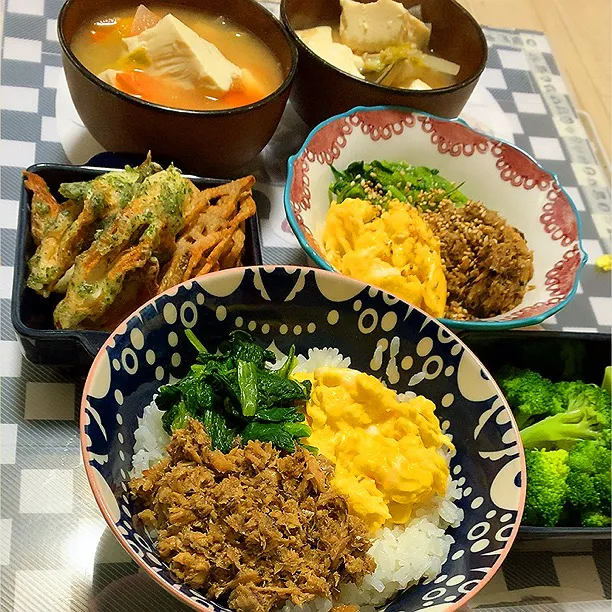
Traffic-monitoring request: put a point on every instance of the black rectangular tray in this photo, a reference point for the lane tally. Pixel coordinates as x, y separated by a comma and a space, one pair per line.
32, 315
555, 355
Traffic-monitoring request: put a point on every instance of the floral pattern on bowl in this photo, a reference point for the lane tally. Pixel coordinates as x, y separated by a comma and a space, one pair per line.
384, 336
493, 171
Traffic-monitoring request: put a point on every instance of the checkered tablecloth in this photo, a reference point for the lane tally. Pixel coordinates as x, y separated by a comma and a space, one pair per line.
55, 552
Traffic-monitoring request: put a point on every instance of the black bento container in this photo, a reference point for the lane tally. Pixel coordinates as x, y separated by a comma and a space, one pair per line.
32, 315
555, 355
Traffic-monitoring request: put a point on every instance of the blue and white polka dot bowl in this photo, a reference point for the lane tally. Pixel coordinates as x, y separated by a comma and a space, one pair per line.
384, 336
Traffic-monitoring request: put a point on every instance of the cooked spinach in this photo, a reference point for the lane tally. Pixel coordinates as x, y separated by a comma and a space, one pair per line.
281, 435
280, 415
235, 395
217, 426
247, 381
290, 364
195, 341
240, 345
273, 389
176, 417
382, 181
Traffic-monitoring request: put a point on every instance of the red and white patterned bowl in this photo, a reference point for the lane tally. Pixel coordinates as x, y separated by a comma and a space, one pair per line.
503, 177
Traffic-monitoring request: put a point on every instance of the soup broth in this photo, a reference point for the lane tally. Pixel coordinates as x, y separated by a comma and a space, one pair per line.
383, 42
434, 78
99, 46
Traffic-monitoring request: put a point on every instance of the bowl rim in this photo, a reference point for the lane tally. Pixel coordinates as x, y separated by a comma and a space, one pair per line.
237, 110
417, 93
459, 325
173, 291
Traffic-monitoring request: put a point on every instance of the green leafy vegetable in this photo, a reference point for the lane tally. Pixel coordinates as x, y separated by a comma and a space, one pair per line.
289, 365
235, 395
176, 417
241, 346
298, 430
217, 426
279, 415
247, 379
273, 390
194, 340
281, 435
168, 396
381, 181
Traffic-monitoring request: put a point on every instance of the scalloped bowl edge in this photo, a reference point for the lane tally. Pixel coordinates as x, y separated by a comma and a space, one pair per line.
460, 325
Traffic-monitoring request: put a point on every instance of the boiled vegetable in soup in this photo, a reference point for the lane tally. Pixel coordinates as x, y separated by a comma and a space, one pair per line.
178, 57
382, 42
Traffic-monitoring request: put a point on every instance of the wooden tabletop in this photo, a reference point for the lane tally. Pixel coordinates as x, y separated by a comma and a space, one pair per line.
579, 35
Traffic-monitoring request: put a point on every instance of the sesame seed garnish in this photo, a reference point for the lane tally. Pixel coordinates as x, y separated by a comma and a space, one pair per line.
487, 262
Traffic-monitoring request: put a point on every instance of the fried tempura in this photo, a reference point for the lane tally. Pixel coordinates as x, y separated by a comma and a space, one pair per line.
139, 286
90, 206
213, 231
149, 221
50, 224
127, 235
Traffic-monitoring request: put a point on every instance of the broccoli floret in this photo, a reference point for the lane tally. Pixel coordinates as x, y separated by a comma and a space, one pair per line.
530, 395
591, 457
547, 473
568, 389
587, 417
595, 519
589, 486
583, 395
565, 429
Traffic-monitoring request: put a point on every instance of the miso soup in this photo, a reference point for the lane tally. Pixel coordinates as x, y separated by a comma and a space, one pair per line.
178, 57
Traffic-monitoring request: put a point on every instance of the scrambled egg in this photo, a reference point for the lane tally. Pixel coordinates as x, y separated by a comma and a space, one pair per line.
393, 249
386, 452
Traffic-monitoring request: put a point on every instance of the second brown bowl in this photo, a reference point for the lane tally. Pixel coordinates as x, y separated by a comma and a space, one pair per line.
321, 90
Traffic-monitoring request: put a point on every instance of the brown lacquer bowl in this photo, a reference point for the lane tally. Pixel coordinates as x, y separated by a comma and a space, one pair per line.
321, 90
215, 143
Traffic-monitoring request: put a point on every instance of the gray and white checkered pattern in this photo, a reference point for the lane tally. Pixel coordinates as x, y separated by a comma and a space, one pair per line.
55, 553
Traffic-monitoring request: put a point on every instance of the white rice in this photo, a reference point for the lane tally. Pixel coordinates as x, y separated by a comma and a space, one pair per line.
404, 555
150, 440
317, 358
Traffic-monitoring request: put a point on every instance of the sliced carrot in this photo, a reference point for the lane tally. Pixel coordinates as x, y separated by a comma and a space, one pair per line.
143, 20
250, 90
138, 83
99, 35
166, 92
234, 99
125, 25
